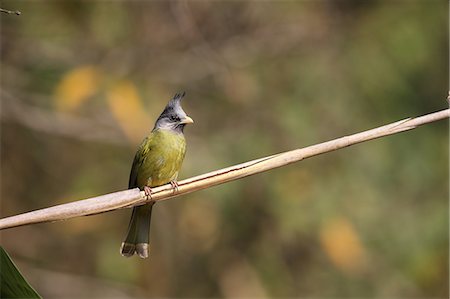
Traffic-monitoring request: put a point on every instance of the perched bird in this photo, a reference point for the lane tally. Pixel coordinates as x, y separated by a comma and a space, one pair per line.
157, 162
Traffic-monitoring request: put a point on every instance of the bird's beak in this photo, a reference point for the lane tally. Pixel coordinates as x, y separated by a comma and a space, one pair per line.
187, 120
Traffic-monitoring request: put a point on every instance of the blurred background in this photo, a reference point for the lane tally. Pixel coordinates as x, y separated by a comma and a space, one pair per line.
83, 82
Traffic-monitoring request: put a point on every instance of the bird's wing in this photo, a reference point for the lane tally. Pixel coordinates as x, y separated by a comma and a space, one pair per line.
139, 159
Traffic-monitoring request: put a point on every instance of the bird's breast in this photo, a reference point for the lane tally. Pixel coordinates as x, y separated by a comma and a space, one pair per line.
164, 158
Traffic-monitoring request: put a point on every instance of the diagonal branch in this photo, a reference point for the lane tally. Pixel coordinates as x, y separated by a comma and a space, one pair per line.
132, 197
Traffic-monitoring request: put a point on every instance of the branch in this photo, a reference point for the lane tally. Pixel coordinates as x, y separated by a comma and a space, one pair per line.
10, 12
58, 123
133, 197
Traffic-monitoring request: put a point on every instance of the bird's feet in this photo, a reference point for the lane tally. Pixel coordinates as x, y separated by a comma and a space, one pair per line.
148, 192
174, 186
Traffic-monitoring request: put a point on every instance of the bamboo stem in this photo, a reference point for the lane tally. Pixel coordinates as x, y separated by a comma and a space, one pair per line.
134, 197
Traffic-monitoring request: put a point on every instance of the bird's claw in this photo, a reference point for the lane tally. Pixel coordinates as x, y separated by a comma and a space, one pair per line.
148, 192
174, 185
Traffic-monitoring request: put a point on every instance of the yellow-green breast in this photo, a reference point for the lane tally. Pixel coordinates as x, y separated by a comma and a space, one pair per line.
158, 159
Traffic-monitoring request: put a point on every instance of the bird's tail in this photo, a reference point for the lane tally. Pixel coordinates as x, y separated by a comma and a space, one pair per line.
138, 232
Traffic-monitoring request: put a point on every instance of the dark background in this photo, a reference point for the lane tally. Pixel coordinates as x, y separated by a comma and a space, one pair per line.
82, 83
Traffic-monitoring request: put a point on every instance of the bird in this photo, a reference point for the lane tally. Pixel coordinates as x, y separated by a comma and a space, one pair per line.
156, 162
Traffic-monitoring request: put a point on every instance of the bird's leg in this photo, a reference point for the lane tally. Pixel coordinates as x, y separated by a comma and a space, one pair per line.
148, 192
174, 186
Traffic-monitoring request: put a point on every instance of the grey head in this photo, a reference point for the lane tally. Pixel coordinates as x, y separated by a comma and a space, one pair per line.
173, 117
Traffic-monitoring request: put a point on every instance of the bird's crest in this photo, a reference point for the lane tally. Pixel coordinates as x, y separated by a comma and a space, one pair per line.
172, 112
176, 99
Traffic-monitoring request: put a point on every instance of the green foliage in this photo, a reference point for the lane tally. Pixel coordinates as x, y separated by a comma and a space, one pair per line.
261, 77
12, 283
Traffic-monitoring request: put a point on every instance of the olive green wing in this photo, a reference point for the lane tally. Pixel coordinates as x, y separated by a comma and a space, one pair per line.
139, 159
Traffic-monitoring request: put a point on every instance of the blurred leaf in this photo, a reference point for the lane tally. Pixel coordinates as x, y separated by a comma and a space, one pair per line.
198, 224
127, 108
76, 87
12, 283
239, 279
342, 245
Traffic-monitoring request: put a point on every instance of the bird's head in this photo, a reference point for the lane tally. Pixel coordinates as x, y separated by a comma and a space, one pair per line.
173, 117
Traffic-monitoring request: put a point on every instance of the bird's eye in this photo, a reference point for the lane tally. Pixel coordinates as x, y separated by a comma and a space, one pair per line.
174, 118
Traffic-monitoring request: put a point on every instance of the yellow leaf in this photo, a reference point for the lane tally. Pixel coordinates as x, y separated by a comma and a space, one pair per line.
342, 245
127, 108
76, 87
